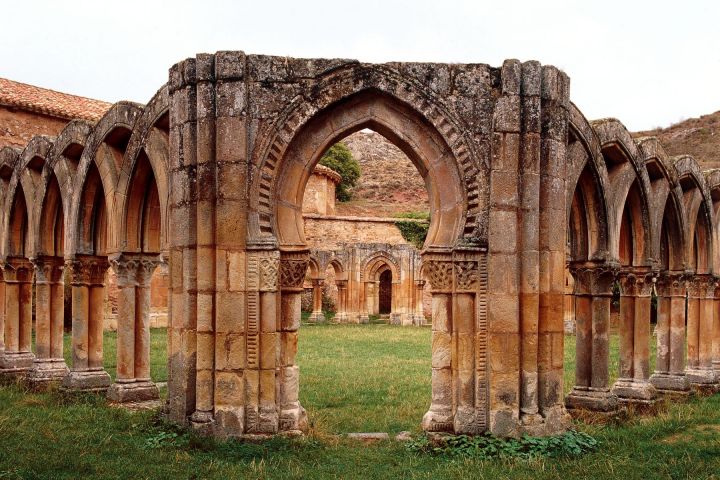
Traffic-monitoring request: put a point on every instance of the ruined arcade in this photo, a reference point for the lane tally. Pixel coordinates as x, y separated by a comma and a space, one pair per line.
211, 175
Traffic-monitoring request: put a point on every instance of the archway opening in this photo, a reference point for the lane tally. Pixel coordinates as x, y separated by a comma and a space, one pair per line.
387, 384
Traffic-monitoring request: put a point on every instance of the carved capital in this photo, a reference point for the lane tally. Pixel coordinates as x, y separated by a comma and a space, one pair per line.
467, 275
701, 286
593, 279
636, 282
48, 269
17, 270
672, 284
440, 275
269, 274
88, 270
292, 269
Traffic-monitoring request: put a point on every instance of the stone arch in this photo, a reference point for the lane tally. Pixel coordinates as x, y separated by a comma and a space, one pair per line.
104, 152
587, 182
293, 154
372, 263
628, 195
314, 267
27, 176
667, 222
8, 160
148, 146
697, 209
712, 179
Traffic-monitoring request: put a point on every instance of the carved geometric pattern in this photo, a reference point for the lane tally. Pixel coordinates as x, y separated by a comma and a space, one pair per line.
481, 367
268, 274
292, 272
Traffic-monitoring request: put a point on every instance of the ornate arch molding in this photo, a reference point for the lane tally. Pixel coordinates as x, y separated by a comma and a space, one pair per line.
666, 193
28, 171
712, 180
369, 265
613, 136
119, 120
584, 151
686, 167
342, 84
150, 135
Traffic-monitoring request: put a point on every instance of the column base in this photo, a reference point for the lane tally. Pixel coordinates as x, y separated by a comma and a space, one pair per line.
15, 365
86, 381
137, 391
341, 318
552, 421
418, 320
701, 376
396, 319
363, 318
46, 373
316, 317
202, 422
703, 381
630, 391
293, 420
437, 420
595, 400
670, 384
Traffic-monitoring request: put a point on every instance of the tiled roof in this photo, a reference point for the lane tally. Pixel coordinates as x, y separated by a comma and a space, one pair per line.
50, 102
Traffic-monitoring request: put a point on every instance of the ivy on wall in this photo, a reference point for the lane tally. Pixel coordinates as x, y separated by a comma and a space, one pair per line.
414, 232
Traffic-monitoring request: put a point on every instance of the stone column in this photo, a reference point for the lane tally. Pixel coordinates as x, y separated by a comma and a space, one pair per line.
133, 382
459, 379
49, 366
716, 333
88, 291
699, 371
317, 314
669, 376
293, 266
418, 316
633, 386
593, 294
365, 303
18, 357
341, 315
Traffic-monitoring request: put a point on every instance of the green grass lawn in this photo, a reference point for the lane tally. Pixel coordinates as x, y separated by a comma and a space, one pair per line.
354, 378
158, 353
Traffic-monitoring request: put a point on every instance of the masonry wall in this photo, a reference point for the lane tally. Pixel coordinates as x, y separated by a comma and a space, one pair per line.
330, 232
17, 127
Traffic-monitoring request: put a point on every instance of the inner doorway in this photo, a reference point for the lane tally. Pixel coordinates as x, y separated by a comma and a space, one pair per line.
385, 293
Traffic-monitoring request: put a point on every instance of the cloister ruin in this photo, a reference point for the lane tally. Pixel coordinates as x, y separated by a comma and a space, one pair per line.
211, 173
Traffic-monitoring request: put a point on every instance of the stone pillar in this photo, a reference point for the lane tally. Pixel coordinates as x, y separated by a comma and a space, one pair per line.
341, 315
593, 294
699, 370
317, 315
293, 266
49, 366
459, 379
418, 317
569, 309
716, 334
669, 376
18, 357
365, 302
133, 382
633, 386
88, 291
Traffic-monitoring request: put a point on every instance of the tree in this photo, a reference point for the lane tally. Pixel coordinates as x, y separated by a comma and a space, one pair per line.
339, 158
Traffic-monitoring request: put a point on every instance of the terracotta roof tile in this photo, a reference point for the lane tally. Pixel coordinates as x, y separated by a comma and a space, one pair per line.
50, 102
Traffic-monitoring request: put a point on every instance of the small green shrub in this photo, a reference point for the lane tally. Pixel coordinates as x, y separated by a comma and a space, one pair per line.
487, 446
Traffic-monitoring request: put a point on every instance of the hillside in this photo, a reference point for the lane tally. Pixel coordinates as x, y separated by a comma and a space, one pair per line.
389, 182
699, 137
